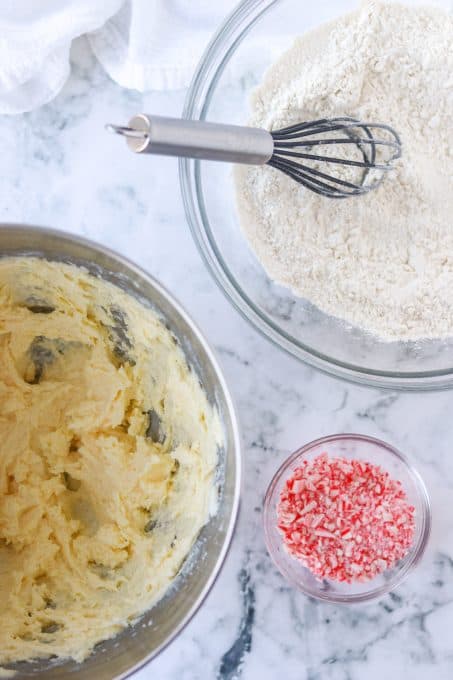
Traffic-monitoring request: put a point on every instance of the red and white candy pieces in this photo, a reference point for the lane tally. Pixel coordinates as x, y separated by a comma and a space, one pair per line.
345, 519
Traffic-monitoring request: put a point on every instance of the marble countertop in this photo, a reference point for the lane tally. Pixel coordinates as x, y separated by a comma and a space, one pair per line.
60, 169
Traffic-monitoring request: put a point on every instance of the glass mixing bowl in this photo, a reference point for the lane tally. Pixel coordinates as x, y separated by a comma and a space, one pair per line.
377, 452
253, 37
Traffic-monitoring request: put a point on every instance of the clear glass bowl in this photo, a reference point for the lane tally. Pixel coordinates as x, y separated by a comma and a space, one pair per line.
351, 446
251, 39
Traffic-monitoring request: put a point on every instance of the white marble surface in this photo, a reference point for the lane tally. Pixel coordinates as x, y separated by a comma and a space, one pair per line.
59, 168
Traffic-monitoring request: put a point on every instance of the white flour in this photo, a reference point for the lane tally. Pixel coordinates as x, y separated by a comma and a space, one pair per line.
383, 261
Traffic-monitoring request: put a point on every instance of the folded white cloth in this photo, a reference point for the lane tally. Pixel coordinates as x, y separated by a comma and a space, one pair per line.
143, 44
34, 46
156, 44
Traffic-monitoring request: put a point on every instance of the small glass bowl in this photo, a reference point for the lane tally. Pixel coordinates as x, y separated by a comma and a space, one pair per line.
377, 452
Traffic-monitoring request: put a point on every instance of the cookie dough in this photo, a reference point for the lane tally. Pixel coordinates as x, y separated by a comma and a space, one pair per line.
108, 448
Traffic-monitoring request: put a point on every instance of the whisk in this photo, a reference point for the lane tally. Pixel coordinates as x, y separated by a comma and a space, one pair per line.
363, 154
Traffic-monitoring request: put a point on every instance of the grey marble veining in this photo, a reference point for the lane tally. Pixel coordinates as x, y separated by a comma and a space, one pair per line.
61, 169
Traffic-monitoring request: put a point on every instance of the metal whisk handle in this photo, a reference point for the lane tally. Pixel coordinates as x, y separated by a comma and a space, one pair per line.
197, 139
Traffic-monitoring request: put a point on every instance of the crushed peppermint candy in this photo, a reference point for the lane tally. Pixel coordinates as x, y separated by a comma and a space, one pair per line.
345, 519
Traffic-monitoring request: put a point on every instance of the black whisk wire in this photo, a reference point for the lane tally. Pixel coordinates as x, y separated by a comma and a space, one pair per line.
305, 136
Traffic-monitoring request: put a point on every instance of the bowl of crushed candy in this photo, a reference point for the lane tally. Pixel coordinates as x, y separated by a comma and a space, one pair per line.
251, 39
140, 641
346, 518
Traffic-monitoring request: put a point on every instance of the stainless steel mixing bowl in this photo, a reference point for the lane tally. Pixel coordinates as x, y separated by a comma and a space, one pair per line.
136, 645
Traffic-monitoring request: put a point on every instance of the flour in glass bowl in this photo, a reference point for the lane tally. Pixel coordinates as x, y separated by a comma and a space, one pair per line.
383, 261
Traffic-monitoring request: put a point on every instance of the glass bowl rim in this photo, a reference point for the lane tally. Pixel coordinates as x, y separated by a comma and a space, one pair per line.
208, 72
424, 519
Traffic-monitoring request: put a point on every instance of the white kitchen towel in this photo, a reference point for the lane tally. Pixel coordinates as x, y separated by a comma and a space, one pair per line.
143, 44
35, 38
156, 44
